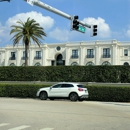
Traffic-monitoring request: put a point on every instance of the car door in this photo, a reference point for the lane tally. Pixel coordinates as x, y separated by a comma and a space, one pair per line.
65, 90
54, 91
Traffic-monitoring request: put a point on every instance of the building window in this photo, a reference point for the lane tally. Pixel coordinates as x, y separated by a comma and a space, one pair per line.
12, 64
74, 64
58, 48
90, 63
23, 53
106, 63
12, 56
90, 53
37, 64
23, 58
125, 52
126, 64
106, 52
38, 55
74, 54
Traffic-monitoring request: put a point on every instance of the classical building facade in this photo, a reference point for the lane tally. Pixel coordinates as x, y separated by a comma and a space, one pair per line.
110, 52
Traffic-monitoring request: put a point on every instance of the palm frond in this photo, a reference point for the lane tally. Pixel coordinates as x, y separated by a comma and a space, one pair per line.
26, 31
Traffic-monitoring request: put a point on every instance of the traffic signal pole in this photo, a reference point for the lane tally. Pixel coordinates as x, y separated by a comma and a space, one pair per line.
4, 0
54, 10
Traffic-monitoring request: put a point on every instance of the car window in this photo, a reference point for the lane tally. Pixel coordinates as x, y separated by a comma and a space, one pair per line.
80, 86
57, 86
67, 85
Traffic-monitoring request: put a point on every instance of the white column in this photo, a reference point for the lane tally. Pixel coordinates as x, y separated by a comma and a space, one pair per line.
18, 58
2, 59
97, 55
113, 55
44, 56
67, 56
81, 56
116, 58
31, 56
7, 56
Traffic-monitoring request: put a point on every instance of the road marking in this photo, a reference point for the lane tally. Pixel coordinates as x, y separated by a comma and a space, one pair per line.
47, 129
20, 127
4, 124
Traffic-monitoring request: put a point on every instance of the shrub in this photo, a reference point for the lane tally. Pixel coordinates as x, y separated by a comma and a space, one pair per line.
109, 93
96, 93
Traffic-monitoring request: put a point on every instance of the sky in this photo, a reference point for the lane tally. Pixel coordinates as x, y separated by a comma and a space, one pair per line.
111, 16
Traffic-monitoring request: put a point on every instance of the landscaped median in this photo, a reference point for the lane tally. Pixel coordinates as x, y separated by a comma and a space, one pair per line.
96, 93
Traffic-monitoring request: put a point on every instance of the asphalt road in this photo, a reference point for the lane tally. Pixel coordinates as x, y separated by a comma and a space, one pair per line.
34, 114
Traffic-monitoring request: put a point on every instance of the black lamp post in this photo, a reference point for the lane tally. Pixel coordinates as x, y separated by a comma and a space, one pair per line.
4, 0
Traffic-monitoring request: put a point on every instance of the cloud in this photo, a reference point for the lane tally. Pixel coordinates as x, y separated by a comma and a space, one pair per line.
60, 34
103, 28
45, 21
128, 32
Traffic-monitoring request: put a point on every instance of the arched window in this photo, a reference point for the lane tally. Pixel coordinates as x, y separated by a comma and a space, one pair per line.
106, 63
126, 64
37, 64
90, 63
12, 64
74, 64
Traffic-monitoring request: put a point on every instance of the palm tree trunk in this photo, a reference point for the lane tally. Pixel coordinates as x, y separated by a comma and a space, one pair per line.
26, 52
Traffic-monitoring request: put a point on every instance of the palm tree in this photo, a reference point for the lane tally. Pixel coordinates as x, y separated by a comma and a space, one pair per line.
27, 31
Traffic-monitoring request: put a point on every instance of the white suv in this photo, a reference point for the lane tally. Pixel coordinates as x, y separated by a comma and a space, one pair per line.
72, 91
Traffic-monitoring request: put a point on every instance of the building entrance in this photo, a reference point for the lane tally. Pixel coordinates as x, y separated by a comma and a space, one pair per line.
59, 60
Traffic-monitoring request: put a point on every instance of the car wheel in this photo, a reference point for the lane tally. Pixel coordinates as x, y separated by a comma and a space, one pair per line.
43, 96
73, 97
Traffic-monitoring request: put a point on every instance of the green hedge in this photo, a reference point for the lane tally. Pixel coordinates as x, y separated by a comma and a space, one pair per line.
19, 90
96, 93
109, 93
111, 74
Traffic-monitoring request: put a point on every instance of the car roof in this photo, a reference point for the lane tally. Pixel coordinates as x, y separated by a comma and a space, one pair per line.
68, 83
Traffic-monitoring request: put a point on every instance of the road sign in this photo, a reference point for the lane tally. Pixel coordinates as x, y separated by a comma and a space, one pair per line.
82, 29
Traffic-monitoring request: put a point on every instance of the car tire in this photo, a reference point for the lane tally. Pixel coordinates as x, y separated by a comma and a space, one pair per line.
73, 97
43, 96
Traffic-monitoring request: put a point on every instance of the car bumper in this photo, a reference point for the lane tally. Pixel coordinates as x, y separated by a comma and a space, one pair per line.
37, 94
84, 97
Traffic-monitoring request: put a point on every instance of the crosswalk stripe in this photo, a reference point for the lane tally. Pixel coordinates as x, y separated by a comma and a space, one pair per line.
20, 127
47, 129
4, 124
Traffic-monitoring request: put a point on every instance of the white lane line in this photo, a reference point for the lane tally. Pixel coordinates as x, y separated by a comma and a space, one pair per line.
20, 127
4, 124
47, 129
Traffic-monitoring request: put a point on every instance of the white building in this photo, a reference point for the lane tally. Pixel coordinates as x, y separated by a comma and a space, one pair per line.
78, 53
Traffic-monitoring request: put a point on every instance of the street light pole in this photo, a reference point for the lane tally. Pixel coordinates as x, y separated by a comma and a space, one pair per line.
4, 0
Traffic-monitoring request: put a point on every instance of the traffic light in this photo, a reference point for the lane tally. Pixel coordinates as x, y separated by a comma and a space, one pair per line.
94, 30
75, 23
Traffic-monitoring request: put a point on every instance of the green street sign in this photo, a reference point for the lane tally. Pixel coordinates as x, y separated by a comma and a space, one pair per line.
82, 29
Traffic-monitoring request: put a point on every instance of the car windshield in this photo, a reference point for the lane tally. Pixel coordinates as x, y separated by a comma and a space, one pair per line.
80, 86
